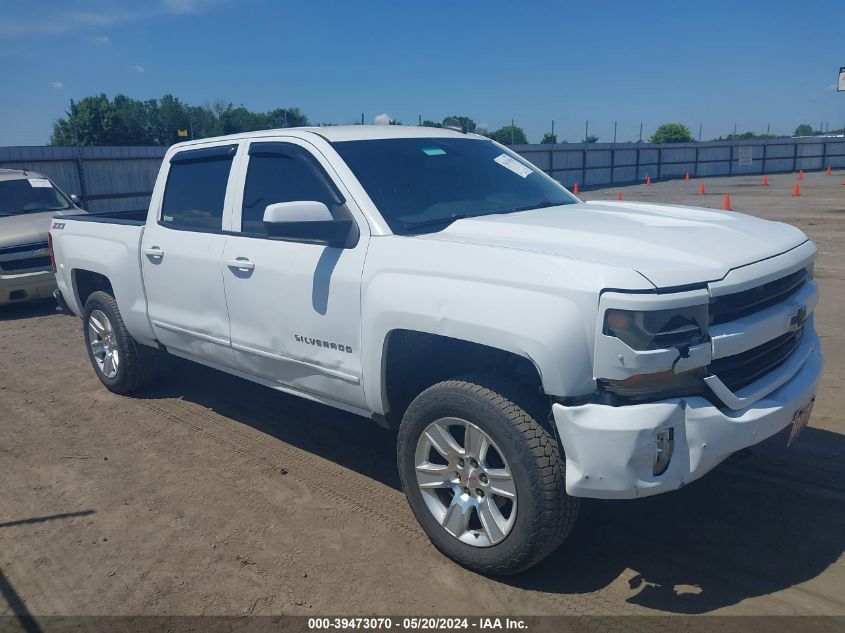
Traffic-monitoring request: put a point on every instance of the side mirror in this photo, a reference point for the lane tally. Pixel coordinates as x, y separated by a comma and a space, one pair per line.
74, 198
307, 221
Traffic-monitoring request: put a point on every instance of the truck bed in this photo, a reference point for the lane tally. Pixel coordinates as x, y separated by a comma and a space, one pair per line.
107, 244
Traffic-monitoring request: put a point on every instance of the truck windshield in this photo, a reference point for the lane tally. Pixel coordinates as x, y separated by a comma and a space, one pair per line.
425, 184
30, 195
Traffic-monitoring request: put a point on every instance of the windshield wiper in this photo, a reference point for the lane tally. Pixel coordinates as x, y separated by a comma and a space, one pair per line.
462, 216
543, 204
435, 221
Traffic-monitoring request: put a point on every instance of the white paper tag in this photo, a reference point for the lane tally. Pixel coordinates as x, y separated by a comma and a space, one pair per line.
39, 182
514, 165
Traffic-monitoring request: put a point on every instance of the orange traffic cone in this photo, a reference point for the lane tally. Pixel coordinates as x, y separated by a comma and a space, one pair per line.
796, 190
828, 170
701, 189
766, 180
801, 175
726, 205
686, 175
619, 194
575, 189
648, 180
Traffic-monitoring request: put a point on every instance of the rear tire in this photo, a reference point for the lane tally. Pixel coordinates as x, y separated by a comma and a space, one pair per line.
121, 363
521, 474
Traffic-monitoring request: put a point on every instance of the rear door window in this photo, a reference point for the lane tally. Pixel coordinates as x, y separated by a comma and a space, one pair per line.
195, 192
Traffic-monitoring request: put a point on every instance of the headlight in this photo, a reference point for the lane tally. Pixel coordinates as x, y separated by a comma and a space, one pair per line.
643, 330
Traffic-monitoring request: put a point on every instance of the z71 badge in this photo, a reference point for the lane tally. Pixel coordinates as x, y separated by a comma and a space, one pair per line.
58, 225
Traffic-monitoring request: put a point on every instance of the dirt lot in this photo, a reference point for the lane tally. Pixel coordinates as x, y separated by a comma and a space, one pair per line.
211, 495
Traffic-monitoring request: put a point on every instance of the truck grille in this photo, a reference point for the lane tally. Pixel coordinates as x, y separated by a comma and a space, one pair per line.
739, 304
24, 257
27, 263
742, 369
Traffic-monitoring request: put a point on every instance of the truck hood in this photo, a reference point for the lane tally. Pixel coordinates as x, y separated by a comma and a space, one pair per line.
29, 228
669, 245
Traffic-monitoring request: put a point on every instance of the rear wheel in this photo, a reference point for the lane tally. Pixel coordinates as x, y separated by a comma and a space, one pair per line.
483, 477
120, 362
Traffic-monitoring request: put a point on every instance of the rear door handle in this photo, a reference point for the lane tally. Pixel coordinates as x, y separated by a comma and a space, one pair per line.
241, 263
154, 251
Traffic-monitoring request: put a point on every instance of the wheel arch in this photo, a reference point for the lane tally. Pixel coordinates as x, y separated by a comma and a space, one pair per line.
413, 360
86, 282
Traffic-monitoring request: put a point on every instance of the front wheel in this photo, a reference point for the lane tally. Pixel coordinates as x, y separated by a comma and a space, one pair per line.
483, 477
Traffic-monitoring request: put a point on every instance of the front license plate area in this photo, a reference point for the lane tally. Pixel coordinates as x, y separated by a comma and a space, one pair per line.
800, 420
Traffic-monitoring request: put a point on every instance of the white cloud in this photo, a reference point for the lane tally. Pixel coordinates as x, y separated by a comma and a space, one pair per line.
830, 88
138, 69
57, 85
382, 119
105, 40
187, 6
97, 14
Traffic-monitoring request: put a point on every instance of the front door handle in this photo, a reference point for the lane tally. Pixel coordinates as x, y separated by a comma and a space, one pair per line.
154, 251
241, 263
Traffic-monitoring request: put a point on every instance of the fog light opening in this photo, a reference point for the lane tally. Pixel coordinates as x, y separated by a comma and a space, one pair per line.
665, 446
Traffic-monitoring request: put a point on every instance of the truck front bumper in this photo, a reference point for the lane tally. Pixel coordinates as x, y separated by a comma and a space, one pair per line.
26, 287
610, 451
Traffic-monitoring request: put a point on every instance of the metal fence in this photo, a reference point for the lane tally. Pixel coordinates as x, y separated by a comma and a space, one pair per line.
105, 178
122, 178
601, 164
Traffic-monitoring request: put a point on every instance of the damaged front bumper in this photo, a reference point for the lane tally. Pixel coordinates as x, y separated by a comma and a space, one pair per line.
611, 451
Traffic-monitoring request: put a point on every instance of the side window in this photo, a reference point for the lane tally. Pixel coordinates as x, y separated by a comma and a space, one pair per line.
196, 188
283, 172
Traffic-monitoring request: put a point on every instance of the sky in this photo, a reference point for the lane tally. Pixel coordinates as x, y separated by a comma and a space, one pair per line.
714, 64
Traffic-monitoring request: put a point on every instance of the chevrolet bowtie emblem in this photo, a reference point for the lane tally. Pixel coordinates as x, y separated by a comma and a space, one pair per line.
798, 319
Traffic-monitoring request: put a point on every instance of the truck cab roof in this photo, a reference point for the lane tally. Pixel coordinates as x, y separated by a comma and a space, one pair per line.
339, 133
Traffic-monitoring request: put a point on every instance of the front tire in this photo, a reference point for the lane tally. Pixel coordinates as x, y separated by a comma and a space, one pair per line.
483, 477
120, 362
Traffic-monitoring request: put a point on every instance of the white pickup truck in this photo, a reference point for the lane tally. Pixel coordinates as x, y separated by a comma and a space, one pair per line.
530, 349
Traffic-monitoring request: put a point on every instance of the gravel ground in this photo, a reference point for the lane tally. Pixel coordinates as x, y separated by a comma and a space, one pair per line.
211, 495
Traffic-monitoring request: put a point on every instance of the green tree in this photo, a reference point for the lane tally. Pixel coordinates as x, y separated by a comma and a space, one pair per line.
671, 133
286, 117
89, 122
96, 120
549, 138
509, 135
591, 138
804, 130
428, 123
466, 124
746, 136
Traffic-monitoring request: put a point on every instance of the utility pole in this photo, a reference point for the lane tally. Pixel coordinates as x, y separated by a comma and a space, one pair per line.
641, 133
419, 119
699, 131
362, 118
768, 128
734, 129
553, 129
586, 131
614, 131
